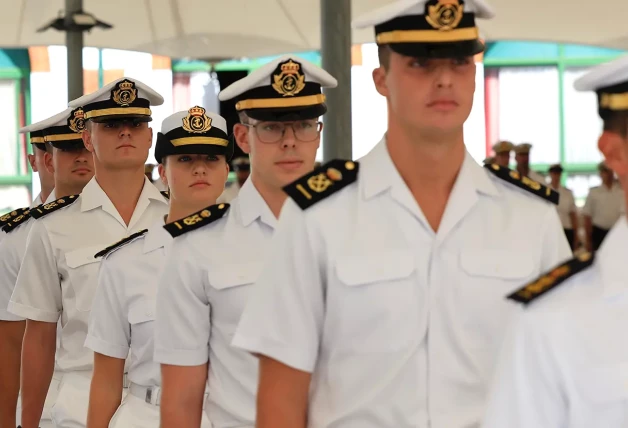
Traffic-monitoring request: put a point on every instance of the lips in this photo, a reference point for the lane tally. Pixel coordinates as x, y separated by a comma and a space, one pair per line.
199, 184
82, 170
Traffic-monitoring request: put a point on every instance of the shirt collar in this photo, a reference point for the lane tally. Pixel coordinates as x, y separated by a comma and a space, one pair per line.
380, 174
37, 201
252, 206
51, 198
610, 259
93, 196
156, 237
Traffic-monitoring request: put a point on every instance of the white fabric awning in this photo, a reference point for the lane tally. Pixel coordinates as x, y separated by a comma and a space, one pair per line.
249, 28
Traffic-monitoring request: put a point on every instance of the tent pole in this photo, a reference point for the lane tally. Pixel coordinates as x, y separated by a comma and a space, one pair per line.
336, 59
74, 45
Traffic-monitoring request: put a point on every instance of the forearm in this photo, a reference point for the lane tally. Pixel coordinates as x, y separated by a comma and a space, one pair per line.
182, 395
11, 336
38, 359
105, 393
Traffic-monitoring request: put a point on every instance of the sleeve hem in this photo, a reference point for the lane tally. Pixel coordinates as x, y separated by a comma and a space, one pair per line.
291, 357
186, 358
31, 313
106, 348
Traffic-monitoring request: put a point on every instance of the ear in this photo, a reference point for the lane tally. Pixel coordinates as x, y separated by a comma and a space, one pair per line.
151, 136
48, 162
162, 174
241, 134
31, 161
615, 151
87, 140
379, 78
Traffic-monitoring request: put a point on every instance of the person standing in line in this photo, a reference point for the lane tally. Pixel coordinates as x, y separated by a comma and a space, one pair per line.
217, 254
381, 304
242, 169
567, 210
564, 362
602, 208
502, 153
522, 156
57, 279
72, 167
192, 152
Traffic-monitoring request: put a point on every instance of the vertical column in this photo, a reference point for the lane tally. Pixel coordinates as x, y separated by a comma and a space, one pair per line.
336, 59
74, 44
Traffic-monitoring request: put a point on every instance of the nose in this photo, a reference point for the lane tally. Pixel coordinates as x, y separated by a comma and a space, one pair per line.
289, 139
444, 76
125, 129
199, 168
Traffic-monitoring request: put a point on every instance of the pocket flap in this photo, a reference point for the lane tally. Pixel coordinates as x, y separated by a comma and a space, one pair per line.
82, 256
375, 267
234, 275
142, 312
497, 264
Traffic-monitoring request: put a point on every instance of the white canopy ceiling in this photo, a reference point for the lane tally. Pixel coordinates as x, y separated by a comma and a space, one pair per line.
247, 28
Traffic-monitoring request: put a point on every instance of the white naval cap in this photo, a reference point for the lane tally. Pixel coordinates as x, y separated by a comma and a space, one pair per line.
288, 87
193, 131
122, 98
62, 129
523, 148
503, 147
429, 28
610, 82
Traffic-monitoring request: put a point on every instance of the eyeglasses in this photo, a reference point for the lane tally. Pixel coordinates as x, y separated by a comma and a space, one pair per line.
273, 132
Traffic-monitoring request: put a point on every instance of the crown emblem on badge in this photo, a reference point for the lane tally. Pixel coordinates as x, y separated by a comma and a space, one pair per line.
288, 79
444, 15
76, 122
197, 121
125, 93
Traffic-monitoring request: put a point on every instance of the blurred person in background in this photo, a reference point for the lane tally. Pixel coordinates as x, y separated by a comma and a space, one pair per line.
522, 156
602, 208
567, 210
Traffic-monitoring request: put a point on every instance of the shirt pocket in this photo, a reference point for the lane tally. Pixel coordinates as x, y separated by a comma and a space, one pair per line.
83, 275
229, 287
374, 307
142, 312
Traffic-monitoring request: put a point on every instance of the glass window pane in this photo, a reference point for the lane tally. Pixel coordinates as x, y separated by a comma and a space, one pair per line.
8, 129
582, 123
529, 110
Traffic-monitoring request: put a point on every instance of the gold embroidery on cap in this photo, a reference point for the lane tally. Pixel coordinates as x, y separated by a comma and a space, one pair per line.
77, 122
290, 81
445, 15
125, 94
197, 122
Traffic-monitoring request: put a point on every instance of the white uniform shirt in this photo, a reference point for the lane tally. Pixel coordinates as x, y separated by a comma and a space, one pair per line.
11, 254
565, 363
566, 206
124, 306
399, 325
58, 276
201, 296
604, 205
229, 194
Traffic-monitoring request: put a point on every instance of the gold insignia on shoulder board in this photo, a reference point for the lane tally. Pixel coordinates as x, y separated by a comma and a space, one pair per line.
350, 166
205, 213
125, 93
197, 121
77, 121
288, 80
319, 183
444, 15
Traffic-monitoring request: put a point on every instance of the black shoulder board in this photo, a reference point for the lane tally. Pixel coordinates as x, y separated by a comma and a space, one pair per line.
552, 279
196, 220
16, 221
524, 183
322, 182
45, 209
8, 216
120, 243
165, 194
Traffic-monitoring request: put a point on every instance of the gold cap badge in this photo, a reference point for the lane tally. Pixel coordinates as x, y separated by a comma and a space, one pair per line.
444, 15
288, 80
125, 93
197, 122
77, 121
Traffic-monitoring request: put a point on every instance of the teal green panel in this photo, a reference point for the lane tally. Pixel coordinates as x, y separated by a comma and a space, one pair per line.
510, 50
14, 59
579, 51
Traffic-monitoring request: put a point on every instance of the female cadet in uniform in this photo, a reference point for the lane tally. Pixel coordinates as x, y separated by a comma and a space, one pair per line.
204, 288
565, 363
382, 302
193, 152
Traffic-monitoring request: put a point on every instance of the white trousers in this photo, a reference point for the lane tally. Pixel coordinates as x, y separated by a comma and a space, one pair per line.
70, 408
137, 413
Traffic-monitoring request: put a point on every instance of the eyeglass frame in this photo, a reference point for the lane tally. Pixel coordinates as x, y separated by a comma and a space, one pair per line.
319, 125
